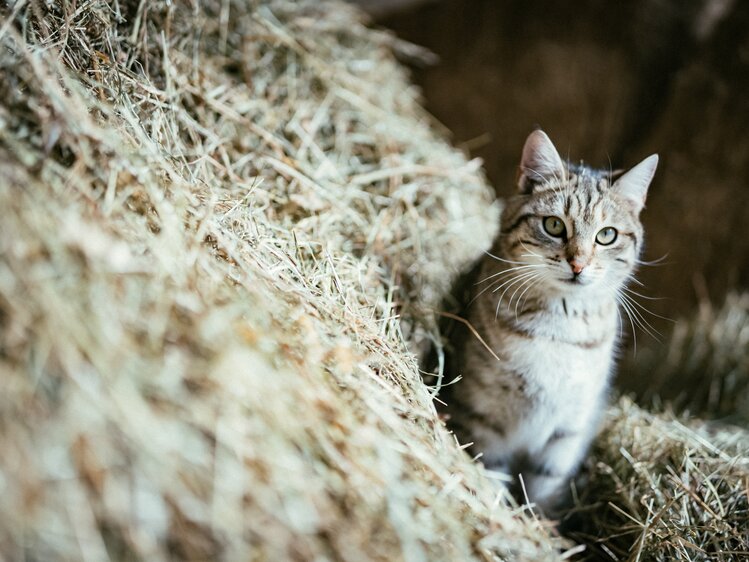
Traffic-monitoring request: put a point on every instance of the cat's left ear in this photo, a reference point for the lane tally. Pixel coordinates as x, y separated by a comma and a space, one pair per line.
634, 184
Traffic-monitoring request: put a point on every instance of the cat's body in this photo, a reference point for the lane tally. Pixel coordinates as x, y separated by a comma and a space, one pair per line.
545, 303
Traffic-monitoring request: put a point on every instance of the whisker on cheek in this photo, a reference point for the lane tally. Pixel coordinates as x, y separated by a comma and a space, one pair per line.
507, 271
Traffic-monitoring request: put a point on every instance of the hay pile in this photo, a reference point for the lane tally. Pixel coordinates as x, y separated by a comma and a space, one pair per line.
660, 488
212, 217
704, 367
223, 229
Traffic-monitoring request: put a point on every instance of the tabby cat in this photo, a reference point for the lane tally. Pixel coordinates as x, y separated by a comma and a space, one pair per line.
545, 305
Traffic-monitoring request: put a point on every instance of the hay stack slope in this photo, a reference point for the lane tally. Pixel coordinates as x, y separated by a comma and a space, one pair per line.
213, 217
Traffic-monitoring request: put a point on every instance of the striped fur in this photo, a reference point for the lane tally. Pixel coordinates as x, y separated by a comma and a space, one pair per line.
536, 410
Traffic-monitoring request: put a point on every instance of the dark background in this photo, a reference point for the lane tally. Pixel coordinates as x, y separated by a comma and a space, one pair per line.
611, 83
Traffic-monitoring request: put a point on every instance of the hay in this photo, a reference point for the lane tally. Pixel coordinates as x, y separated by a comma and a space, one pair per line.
704, 367
667, 487
213, 218
663, 489
223, 230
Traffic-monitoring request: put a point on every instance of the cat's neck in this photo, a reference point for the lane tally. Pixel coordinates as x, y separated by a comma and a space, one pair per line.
581, 305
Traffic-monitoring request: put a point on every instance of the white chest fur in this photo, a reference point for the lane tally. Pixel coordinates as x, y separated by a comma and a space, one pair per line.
559, 358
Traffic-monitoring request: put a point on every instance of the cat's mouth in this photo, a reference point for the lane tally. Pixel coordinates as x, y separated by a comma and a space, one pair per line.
576, 280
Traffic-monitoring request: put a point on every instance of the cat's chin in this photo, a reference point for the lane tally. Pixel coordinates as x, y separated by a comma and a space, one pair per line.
575, 286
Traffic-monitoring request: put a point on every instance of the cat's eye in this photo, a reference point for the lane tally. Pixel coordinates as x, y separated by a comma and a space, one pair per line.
606, 236
554, 226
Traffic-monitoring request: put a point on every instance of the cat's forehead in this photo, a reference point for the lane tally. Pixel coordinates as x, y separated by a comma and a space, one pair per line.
584, 197
574, 194
576, 178
580, 172
588, 179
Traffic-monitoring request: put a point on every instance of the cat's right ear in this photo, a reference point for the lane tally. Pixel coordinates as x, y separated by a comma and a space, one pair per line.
539, 163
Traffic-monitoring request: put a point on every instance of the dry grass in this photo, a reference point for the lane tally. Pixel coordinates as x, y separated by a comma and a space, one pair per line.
213, 218
666, 487
661, 488
704, 367
223, 230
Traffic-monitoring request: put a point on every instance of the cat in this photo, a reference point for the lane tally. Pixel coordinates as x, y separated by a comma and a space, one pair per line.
544, 310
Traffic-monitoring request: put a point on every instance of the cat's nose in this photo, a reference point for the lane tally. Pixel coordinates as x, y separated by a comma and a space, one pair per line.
577, 265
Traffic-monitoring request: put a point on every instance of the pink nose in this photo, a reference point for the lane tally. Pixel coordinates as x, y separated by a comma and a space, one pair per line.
577, 265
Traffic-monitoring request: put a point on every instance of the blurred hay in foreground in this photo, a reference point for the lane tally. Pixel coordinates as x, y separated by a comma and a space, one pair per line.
213, 218
223, 229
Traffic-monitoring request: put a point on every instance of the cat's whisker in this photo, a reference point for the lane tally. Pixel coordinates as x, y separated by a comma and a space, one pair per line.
529, 280
625, 307
517, 277
634, 280
531, 252
655, 262
509, 284
647, 328
643, 296
502, 259
621, 322
615, 292
494, 284
632, 292
639, 319
507, 271
532, 284
635, 305
645, 309
631, 313
544, 180
542, 277
611, 168
501, 283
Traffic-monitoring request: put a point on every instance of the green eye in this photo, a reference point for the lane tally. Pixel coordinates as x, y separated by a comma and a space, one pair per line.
606, 236
554, 226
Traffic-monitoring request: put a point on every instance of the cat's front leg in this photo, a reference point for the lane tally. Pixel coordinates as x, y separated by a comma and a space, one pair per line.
547, 478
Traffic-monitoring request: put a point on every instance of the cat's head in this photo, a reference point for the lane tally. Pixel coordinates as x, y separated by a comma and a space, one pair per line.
577, 229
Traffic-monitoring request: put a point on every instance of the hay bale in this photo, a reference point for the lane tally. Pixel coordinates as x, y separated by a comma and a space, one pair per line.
660, 488
211, 218
703, 369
